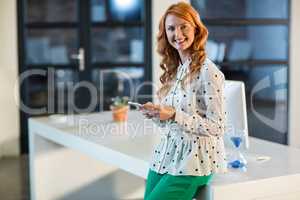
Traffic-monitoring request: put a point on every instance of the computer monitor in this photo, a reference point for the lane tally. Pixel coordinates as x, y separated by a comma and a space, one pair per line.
236, 112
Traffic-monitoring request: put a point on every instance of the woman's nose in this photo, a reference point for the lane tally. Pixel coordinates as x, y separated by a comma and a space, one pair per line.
178, 33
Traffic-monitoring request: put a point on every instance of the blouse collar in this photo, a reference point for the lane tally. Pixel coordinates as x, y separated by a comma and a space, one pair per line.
185, 64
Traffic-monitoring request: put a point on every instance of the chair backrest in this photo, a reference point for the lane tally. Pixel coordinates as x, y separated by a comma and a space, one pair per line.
236, 111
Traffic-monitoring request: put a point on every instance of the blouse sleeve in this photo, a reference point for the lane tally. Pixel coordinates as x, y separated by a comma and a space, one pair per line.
208, 117
158, 122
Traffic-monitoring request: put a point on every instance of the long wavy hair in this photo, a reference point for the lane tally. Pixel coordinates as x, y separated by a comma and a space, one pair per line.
170, 56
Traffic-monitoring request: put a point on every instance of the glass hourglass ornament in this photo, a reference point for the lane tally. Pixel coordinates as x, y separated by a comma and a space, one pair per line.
236, 158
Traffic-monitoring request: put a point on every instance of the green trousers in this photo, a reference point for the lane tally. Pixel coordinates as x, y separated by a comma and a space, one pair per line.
168, 187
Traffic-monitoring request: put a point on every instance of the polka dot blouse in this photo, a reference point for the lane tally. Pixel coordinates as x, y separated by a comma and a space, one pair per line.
192, 144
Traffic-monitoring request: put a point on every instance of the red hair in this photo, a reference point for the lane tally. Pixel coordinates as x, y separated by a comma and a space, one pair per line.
170, 57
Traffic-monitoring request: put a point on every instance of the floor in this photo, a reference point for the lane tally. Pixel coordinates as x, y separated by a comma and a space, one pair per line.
14, 181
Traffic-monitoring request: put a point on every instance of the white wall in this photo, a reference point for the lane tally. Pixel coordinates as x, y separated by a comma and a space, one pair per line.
9, 114
294, 73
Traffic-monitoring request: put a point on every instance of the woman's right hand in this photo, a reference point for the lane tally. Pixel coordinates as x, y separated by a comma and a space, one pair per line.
150, 110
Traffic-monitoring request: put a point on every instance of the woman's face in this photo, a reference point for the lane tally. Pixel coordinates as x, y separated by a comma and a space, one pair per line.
180, 33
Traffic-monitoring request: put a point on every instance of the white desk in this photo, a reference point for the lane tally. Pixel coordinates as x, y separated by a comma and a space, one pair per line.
64, 157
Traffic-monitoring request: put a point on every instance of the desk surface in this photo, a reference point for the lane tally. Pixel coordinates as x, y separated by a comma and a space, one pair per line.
129, 146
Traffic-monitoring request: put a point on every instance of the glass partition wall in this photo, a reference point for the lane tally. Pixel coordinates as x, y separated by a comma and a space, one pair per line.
75, 55
249, 40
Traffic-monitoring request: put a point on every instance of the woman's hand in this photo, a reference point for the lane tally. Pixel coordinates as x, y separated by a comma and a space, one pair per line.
166, 112
161, 112
150, 110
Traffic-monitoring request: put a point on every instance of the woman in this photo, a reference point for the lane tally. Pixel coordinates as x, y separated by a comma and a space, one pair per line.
191, 109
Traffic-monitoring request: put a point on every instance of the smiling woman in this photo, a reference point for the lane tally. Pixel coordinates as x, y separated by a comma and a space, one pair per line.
191, 109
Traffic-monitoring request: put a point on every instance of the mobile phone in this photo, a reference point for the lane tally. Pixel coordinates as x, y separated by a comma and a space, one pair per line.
137, 105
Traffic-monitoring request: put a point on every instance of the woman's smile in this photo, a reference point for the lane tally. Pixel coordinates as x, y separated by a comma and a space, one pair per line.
180, 42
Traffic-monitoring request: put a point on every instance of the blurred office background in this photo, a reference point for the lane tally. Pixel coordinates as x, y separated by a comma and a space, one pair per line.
106, 42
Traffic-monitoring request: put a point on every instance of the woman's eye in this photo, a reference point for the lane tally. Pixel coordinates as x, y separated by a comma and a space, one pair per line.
170, 28
184, 27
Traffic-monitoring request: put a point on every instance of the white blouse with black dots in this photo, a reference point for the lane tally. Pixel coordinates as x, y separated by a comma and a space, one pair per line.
192, 144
